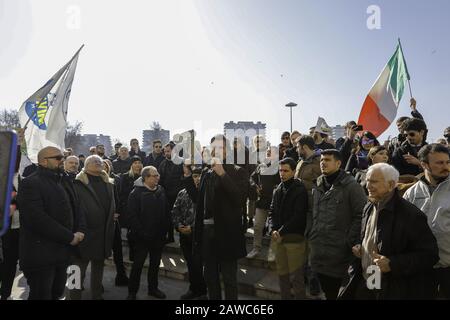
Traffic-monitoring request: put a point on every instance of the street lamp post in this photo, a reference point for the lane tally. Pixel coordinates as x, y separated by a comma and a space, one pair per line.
291, 105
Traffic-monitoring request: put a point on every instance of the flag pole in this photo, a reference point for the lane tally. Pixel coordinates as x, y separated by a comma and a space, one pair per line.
42, 98
409, 82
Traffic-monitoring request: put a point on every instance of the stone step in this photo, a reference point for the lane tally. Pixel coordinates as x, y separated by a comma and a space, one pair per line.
261, 283
248, 238
261, 261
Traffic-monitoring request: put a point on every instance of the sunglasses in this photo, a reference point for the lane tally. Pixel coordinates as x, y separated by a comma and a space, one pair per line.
366, 142
411, 134
59, 157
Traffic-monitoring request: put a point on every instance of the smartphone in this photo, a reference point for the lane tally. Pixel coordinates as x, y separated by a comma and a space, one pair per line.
359, 127
8, 150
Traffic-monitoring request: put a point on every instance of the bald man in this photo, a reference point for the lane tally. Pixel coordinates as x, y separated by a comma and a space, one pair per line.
49, 214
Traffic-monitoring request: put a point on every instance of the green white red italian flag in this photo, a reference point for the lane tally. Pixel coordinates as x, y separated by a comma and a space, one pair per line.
380, 107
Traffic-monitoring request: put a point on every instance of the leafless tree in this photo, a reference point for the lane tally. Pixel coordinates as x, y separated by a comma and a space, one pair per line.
9, 119
73, 138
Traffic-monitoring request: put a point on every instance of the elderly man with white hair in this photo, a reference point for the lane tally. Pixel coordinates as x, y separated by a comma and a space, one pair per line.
397, 250
96, 193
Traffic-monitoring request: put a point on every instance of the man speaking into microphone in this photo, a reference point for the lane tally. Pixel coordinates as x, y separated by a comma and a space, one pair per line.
218, 236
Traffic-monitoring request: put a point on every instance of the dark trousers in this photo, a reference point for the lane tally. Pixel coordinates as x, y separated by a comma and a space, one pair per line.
10, 245
96, 286
117, 250
170, 233
443, 278
214, 267
193, 260
311, 279
46, 283
330, 286
141, 251
131, 245
363, 293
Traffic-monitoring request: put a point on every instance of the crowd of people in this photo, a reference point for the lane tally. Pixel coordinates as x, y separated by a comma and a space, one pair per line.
333, 210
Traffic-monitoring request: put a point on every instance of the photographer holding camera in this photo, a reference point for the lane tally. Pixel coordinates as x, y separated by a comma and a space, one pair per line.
346, 145
405, 157
359, 158
396, 142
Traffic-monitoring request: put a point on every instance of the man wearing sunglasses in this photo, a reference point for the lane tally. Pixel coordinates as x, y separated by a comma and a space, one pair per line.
396, 142
49, 214
135, 150
405, 158
156, 156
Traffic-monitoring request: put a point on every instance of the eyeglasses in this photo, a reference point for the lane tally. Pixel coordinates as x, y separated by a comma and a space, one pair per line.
58, 157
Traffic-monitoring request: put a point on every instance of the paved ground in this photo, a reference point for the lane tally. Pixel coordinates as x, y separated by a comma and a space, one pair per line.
172, 288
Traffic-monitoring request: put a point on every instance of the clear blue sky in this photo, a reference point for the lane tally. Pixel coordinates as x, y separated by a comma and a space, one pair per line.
329, 58
184, 62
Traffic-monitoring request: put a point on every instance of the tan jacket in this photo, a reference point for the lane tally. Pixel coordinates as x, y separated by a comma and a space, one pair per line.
308, 171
